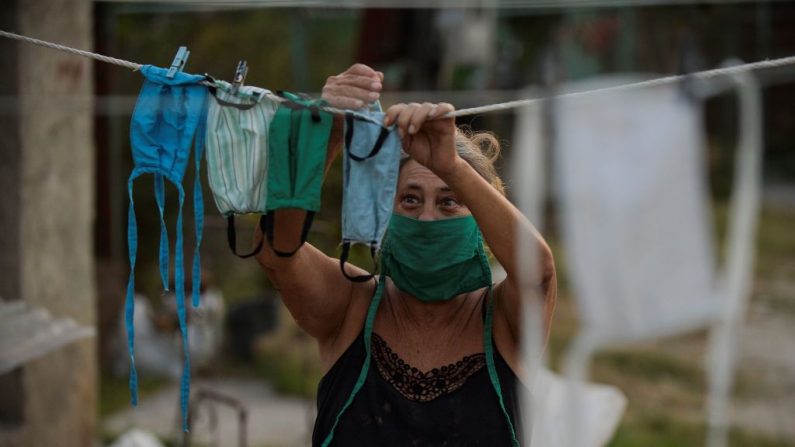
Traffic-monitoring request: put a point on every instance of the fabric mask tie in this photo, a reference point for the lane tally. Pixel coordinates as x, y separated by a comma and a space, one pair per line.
346, 247
231, 237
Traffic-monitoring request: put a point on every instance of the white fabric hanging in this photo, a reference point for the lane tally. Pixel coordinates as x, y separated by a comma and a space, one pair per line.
545, 408
631, 181
630, 172
602, 407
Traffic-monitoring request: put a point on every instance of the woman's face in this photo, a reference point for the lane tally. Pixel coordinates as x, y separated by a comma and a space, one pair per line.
424, 196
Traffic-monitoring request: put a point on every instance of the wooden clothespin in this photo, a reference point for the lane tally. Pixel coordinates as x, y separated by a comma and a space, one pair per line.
179, 62
240, 76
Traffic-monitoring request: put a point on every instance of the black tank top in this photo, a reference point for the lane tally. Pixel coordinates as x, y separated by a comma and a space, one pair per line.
453, 405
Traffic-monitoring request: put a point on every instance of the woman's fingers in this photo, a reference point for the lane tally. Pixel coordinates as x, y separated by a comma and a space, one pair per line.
442, 109
354, 88
419, 116
410, 118
392, 113
363, 70
404, 119
363, 82
343, 102
335, 91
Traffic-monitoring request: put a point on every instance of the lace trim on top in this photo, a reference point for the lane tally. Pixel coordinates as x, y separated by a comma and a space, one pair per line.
419, 386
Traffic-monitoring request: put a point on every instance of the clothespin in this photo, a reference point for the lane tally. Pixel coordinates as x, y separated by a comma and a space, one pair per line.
179, 62
240, 75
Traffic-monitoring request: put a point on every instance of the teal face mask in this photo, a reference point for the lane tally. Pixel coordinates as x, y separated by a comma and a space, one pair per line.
435, 260
298, 138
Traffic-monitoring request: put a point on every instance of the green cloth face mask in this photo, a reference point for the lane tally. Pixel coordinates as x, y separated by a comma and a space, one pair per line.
298, 138
435, 260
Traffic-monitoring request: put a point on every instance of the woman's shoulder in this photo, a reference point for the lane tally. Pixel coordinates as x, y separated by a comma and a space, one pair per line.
505, 338
351, 324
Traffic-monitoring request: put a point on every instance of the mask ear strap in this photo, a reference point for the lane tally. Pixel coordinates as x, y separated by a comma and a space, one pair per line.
300, 102
231, 237
198, 204
379, 143
163, 254
129, 307
346, 246
269, 228
488, 348
368, 333
232, 104
179, 286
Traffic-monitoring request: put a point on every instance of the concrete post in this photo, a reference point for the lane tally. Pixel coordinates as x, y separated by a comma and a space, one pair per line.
53, 214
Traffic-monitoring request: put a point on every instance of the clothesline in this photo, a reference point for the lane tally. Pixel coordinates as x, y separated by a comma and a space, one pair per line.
702, 75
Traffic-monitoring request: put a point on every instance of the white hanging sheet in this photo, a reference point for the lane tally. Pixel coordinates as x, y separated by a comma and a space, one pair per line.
630, 173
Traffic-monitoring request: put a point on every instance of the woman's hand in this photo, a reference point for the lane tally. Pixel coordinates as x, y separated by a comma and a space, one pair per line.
354, 88
427, 139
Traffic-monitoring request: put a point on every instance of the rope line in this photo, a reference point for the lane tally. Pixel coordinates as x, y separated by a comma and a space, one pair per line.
701, 75
55, 46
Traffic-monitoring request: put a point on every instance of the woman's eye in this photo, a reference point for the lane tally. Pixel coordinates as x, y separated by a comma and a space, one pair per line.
449, 202
410, 200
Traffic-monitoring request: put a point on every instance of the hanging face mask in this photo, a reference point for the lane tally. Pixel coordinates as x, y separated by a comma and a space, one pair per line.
435, 260
169, 113
370, 168
237, 153
297, 146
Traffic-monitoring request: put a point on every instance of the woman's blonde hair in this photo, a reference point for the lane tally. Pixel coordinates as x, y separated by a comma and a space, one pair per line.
480, 150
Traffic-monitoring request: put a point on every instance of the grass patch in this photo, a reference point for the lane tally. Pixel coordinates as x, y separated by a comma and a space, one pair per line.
289, 361
654, 366
657, 430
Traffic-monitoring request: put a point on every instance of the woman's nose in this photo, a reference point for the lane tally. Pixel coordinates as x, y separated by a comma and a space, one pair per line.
429, 212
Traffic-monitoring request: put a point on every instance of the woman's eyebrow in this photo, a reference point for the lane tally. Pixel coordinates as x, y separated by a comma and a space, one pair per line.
417, 187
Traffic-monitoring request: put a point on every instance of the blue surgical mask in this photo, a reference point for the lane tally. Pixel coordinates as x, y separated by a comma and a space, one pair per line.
370, 167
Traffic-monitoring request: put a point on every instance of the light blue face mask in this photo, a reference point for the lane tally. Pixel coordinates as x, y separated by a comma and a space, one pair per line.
371, 163
169, 113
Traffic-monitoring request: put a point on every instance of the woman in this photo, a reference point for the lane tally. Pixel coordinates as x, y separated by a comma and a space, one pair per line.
431, 379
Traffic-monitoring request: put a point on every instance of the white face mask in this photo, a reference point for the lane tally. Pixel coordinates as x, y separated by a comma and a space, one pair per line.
237, 153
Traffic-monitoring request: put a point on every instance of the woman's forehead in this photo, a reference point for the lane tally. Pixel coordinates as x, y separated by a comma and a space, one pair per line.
414, 175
